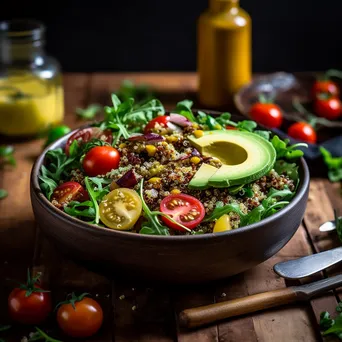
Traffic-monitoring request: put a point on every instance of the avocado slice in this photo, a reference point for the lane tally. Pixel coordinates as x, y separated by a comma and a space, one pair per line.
200, 180
245, 156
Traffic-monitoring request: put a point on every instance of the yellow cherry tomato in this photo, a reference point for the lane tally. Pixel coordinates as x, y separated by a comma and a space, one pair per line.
120, 209
222, 224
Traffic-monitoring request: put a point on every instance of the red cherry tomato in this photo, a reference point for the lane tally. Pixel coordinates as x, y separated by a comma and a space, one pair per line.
326, 87
267, 114
161, 120
231, 128
67, 192
329, 108
32, 309
302, 131
82, 321
184, 209
86, 134
100, 160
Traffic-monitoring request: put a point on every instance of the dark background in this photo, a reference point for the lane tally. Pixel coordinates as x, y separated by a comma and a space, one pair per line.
153, 35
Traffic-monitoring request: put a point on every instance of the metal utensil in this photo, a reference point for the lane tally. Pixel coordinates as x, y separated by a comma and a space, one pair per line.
328, 226
196, 317
311, 264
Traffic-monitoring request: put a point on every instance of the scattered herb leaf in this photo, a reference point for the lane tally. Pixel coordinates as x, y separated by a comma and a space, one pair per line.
90, 112
334, 165
3, 193
7, 156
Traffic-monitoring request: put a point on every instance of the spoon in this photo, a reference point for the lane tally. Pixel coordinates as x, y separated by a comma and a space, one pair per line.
328, 226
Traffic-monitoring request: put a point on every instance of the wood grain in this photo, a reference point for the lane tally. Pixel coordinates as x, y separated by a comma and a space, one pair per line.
154, 317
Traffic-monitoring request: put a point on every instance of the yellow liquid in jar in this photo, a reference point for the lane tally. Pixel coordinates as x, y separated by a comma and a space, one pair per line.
29, 105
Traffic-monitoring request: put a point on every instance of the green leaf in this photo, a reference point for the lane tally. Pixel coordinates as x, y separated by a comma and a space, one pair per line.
81, 210
7, 156
264, 134
116, 102
140, 92
253, 216
338, 224
90, 112
3, 193
222, 209
5, 327
184, 108
224, 119
47, 184
334, 165
289, 169
336, 327
247, 125
285, 151
325, 321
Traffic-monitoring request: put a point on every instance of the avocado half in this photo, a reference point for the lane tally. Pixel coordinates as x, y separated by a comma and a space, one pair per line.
245, 157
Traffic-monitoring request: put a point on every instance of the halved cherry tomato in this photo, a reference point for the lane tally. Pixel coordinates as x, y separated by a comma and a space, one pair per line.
302, 131
329, 108
86, 134
120, 209
184, 209
100, 160
325, 87
82, 320
67, 192
161, 120
231, 128
267, 114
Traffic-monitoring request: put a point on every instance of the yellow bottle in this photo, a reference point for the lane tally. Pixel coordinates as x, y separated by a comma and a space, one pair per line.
31, 94
224, 52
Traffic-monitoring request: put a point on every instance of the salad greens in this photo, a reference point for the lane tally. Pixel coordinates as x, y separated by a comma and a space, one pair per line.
3, 193
7, 156
330, 326
90, 112
334, 165
126, 118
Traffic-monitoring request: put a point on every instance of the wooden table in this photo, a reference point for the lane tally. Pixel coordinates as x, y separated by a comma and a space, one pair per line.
132, 311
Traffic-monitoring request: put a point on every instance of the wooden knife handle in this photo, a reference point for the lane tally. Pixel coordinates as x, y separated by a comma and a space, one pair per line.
191, 318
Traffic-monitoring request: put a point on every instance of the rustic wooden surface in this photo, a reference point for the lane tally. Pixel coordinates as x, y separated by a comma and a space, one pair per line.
149, 312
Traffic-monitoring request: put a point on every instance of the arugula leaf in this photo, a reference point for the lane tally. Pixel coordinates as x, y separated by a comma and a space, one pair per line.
247, 125
7, 156
3, 193
222, 209
253, 216
285, 151
140, 92
224, 119
90, 112
47, 184
325, 321
335, 328
184, 108
264, 134
334, 165
83, 210
290, 169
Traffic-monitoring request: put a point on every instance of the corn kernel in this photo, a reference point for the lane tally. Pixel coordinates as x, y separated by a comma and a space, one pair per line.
175, 191
195, 125
171, 139
151, 150
154, 180
122, 145
195, 160
198, 133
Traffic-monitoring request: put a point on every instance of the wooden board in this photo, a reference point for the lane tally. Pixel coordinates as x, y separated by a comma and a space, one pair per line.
146, 312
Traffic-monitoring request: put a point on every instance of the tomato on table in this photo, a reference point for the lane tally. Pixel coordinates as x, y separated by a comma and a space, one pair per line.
328, 107
29, 303
120, 209
80, 316
161, 120
67, 192
184, 209
302, 131
267, 114
100, 160
325, 87
84, 135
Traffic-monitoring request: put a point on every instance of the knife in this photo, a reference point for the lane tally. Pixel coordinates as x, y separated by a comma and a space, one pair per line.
196, 317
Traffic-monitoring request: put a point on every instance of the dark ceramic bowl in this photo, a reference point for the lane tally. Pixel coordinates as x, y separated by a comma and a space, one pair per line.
180, 259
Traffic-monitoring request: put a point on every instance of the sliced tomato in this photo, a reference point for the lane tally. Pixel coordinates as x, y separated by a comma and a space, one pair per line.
161, 120
120, 209
67, 192
184, 209
86, 134
100, 160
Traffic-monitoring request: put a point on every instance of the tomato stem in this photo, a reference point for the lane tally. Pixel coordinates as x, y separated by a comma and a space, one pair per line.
72, 299
333, 73
43, 335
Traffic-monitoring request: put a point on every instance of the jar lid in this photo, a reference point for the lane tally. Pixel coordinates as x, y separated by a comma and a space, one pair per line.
22, 29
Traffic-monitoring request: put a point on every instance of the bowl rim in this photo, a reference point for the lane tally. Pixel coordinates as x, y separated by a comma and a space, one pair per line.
47, 205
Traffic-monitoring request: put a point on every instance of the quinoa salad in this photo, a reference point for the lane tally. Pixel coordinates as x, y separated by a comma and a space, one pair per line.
146, 171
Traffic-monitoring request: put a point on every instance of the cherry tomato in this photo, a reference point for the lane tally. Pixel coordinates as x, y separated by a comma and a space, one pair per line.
82, 321
86, 134
120, 209
67, 192
184, 209
325, 87
302, 131
100, 160
267, 114
231, 128
329, 108
32, 309
161, 120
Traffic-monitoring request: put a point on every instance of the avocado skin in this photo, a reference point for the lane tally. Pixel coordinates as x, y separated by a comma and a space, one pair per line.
222, 180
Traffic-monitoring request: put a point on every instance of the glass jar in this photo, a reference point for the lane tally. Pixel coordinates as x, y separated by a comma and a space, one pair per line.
224, 52
31, 92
